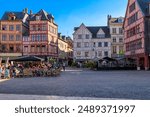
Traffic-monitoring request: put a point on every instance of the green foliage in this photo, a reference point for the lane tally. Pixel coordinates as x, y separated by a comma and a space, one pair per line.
51, 60
74, 64
90, 64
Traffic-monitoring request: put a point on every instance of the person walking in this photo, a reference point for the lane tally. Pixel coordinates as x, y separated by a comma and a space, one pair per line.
64, 65
0, 67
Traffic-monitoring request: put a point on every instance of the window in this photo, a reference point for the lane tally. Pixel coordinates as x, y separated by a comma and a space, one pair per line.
43, 48
11, 48
133, 31
86, 44
120, 40
120, 31
79, 36
120, 20
3, 47
133, 18
44, 38
38, 37
99, 53
25, 38
100, 44
86, 54
78, 54
94, 44
120, 48
100, 36
114, 39
134, 45
38, 17
32, 48
114, 30
106, 53
33, 37
25, 48
18, 38
139, 44
43, 27
11, 37
4, 27
105, 44
18, 48
87, 36
132, 7
11, 27
4, 37
114, 50
38, 48
18, 28
78, 44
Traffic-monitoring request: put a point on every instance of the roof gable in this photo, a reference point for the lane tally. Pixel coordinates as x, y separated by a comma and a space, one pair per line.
18, 15
100, 31
44, 15
82, 26
144, 6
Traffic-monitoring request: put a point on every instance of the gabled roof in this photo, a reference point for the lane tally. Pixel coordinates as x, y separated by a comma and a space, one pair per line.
94, 30
144, 6
44, 15
19, 15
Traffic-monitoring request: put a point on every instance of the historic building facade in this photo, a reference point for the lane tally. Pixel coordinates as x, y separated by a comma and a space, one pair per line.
91, 43
42, 39
12, 28
136, 32
117, 38
65, 49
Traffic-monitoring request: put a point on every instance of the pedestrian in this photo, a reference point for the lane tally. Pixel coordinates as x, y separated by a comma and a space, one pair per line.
0, 67
64, 65
0, 71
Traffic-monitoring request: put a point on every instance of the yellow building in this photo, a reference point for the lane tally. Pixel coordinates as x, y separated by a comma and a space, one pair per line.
65, 49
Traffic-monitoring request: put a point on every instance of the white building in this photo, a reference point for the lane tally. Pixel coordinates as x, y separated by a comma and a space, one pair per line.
117, 37
91, 43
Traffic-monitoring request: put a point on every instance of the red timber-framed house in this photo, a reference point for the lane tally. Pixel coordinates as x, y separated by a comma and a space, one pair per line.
42, 39
137, 32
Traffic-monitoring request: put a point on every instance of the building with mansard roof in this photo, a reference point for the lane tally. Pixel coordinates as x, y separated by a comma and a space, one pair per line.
13, 25
91, 42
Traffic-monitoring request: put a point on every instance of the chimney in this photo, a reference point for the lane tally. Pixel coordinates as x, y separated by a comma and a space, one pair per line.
23, 11
26, 10
59, 35
31, 12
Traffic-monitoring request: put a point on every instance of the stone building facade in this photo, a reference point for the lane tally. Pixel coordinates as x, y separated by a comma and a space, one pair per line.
117, 37
91, 42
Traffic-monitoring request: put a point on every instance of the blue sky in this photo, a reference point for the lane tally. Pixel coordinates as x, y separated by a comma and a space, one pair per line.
70, 13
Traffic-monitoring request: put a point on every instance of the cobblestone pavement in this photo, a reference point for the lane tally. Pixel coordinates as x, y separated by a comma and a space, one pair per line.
82, 84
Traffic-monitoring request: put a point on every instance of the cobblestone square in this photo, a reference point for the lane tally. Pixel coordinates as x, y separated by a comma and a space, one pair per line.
84, 83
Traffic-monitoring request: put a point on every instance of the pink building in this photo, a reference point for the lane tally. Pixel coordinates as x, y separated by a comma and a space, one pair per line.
137, 32
42, 39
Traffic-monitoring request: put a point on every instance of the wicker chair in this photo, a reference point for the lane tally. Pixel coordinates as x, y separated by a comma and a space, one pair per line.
27, 73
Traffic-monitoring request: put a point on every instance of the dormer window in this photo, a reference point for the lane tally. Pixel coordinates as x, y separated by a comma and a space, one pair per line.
120, 20
11, 16
38, 17
100, 36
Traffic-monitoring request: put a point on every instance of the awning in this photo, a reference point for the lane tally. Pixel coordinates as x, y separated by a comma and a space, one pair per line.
27, 58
